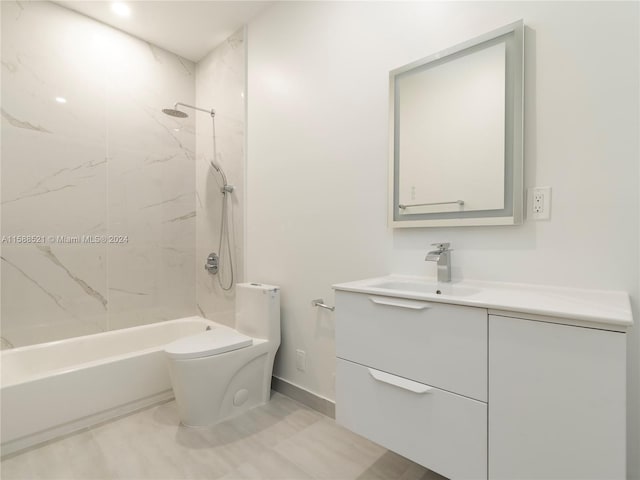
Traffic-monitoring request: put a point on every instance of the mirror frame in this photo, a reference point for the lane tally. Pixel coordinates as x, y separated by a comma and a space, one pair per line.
512, 214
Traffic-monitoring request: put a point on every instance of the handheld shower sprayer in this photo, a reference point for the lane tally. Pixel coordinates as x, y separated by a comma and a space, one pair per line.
226, 188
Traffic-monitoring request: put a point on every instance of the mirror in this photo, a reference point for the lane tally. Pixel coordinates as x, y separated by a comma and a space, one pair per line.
456, 134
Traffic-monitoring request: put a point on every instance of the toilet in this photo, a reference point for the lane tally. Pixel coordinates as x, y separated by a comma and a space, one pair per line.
223, 372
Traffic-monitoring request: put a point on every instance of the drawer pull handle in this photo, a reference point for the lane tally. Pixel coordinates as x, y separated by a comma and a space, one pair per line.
397, 303
399, 382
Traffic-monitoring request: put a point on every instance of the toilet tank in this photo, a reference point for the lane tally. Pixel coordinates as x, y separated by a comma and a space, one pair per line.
258, 310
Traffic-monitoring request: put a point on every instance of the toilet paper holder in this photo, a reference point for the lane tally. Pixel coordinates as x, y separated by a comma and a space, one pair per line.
319, 302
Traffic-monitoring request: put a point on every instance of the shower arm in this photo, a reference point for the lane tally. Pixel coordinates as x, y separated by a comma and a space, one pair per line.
226, 188
211, 112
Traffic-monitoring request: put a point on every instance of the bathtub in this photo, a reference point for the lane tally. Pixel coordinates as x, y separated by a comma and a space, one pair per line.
52, 389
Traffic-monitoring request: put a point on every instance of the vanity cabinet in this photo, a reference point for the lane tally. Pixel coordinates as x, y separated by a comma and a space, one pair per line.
412, 376
475, 393
556, 401
429, 342
444, 431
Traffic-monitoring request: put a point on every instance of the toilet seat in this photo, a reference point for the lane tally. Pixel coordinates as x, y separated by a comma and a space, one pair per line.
208, 343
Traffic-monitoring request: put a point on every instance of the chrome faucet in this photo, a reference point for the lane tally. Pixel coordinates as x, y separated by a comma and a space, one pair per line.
442, 255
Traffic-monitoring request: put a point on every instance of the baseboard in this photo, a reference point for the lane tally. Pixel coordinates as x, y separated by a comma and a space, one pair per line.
311, 400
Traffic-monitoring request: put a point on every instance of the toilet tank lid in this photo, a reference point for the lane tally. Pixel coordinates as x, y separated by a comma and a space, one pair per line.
211, 342
259, 286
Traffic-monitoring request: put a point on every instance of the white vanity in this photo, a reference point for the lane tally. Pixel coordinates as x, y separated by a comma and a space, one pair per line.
486, 380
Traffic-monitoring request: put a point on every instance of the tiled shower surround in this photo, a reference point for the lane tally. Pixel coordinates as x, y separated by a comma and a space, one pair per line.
220, 82
106, 164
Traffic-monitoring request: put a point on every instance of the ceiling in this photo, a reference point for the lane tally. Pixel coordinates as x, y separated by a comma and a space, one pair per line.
189, 28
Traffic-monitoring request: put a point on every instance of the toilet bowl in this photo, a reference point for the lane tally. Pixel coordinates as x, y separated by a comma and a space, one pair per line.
222, 372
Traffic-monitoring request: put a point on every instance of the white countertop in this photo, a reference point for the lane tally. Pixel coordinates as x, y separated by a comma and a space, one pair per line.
599, 306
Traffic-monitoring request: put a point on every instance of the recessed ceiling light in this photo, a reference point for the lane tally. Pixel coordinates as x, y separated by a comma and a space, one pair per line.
61, 100
121, 9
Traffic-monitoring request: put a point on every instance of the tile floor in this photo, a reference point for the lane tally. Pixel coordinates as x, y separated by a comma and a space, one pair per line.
281, 440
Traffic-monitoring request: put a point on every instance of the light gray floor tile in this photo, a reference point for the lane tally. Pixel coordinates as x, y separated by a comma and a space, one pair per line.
279, 420
418, 472
392, 466
282, 440
268, 466
328, 451
165, 449
75, 457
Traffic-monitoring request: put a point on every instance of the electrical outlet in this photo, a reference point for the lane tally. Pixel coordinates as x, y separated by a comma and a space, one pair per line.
301, 360
540, 203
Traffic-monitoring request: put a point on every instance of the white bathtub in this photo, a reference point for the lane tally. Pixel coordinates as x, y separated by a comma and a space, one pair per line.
55, 388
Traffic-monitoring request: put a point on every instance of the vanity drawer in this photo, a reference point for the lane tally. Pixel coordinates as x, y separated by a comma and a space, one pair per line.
434, 343
444, 432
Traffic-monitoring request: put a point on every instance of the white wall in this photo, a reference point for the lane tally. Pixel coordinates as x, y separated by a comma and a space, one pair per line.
220, 84
317, 158
107, 162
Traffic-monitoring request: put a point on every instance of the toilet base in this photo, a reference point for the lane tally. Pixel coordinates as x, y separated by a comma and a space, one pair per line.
212, 389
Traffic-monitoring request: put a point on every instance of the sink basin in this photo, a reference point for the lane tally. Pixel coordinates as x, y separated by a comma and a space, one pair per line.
425, 287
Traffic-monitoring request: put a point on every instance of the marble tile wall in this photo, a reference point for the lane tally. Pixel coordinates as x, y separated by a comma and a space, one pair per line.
220, 84
106, 162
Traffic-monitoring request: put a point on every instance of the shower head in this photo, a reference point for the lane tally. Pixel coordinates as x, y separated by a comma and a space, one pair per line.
174, 113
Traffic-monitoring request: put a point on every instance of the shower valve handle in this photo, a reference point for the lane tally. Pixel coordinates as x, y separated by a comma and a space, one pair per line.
212, 264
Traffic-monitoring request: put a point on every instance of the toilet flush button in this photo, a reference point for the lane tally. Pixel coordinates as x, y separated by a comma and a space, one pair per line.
240, 397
